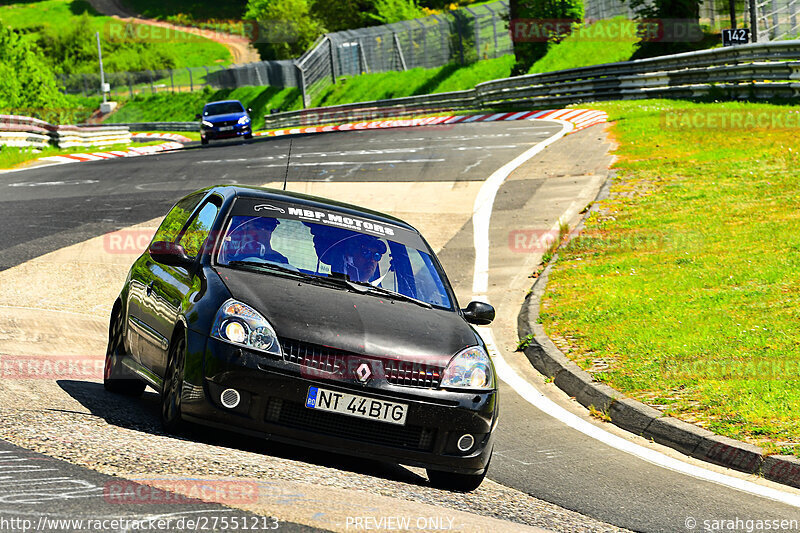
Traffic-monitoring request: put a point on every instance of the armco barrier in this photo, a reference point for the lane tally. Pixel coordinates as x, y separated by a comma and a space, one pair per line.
158, 126
18, 130
759, 71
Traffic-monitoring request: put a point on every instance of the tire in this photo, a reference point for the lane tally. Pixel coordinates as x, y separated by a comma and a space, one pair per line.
248, 136
457, 482
113, 366
173, 384
203, 141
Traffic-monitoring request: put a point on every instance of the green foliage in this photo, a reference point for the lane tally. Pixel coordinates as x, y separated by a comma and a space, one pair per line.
27, 85
527, 53
342, 14
687, 280
287, 25
73, 50
677, 15
588, 46
389, 11
413, 82
65, 31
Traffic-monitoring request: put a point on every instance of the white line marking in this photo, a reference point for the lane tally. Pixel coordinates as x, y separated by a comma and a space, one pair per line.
537, 399
473, 165
482, 209
481, 216
345, 163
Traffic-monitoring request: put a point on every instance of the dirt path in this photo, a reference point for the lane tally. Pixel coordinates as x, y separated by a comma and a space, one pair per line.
240, 48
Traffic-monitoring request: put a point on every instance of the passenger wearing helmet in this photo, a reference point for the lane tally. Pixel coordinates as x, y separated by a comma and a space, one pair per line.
252, 239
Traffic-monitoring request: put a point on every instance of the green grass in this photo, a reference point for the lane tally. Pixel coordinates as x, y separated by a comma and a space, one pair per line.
167, 107
605, 41
12, 156
414, 82
686, 285
186, 49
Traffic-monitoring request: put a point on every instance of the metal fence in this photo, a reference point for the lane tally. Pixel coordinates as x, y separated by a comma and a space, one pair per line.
777, 19
755, 71
127, 84
463, 36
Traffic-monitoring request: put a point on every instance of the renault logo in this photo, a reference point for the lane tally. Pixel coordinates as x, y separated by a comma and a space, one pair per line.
363, 372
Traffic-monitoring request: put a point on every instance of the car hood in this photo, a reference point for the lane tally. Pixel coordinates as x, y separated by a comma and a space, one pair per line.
363, 324
224, 118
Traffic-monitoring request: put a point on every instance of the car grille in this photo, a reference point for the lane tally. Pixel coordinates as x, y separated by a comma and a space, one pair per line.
226, 123
331, 360
294, 415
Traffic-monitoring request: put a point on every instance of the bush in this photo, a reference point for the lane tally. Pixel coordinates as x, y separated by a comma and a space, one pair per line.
27, 84
73, 50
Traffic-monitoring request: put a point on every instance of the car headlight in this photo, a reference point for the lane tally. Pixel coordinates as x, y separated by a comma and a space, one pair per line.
469, 369
208, 124
244, 120
240, 324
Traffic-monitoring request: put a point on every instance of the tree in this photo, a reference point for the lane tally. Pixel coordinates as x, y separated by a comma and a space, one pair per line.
679, 26
535, 24
27, 84
286, 27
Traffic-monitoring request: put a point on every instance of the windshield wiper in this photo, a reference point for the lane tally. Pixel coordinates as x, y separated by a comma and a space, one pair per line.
364, 286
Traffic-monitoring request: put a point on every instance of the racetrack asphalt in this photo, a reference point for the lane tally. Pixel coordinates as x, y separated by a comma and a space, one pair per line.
49, 208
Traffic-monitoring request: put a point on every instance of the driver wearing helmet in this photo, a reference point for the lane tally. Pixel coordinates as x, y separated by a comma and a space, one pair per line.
362, 258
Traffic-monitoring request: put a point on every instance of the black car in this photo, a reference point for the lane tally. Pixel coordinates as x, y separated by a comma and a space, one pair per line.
225, 119
300, 319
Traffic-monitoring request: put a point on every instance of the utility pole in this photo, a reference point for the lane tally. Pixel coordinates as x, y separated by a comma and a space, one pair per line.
102, 74
753, 22
732, 7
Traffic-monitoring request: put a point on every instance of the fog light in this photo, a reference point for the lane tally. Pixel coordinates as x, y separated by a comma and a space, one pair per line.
465, 442
230, 398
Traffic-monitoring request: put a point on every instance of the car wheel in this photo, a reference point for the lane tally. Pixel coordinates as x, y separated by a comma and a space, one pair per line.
113, 366
248, 136
203, 141
457, 482
171, 389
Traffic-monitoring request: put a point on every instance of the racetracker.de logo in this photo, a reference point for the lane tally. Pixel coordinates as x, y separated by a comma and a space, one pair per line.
80, 367
172, 491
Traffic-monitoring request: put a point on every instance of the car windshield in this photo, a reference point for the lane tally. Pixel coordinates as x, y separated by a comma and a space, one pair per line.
319, 250
222, 108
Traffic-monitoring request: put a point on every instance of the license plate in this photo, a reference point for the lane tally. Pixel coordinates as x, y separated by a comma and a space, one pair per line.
358, 406
225, 128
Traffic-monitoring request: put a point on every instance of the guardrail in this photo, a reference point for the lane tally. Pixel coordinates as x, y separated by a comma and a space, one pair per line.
18, 130
759, 71
158, 126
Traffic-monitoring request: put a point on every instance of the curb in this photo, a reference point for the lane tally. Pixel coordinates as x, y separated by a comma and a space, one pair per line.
97, 156
156, 136
632, 415
580, 118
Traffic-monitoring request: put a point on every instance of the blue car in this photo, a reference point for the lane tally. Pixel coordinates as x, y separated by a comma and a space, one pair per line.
225, 119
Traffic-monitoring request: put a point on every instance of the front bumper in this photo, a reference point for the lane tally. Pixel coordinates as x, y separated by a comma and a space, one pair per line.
239, 130
273, 395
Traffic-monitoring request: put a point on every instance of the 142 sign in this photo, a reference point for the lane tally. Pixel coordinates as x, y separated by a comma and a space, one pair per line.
734, 37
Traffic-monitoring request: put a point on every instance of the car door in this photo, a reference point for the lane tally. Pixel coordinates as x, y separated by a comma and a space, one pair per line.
172, 285
140, 333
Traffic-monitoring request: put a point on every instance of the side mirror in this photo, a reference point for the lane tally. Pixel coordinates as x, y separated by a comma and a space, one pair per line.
198, 116
169, 253
479, 313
